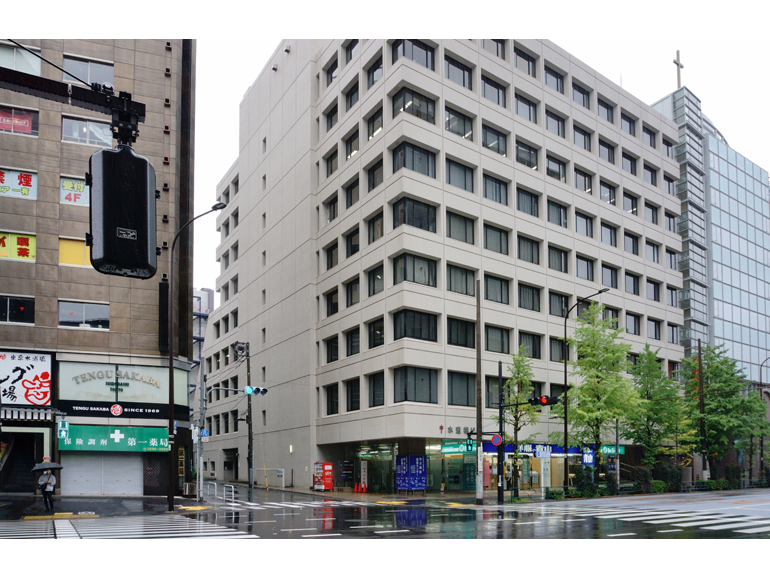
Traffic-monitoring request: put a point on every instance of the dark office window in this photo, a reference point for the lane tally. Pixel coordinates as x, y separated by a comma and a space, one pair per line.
461, 333
374, 124
554, 80
494, 140
557, 213
609, 276
605, 111
375, 175
351, 194
415, 269
414, 213
627, 124
458, 72
527, 202
351, 50
583, 181
461, 280
414, 103
459, 228
331, 72
492, 91
668, 149
629, 203
529, 297
633, 324
609, 235
414, 324
584, 224
632, 283
557, 350
492, 393
351, 243
353, 393
412, 157
526, 155
610, 313
461, 389
526, 108
555, 124
414, 50
332, 349
558, 259
332, 302
331, 163
653, 290
496, 47
459, 175
331, 256
653, 252
606, 151
555, 168
669, 185
606, 193
374, 72
458, 123
376, 280
332, 399
375, 227
332, 117
524, 61
631, 243
671, 260
496, 289
415, 384
648, 137
582, 138
377, 389
629, 164
351, 145
650, 175
495, 239
529, 250
352, 292
376, 332
495, 190
557, 304
530, 345
581, 96
497, 339
584, 268
22, 310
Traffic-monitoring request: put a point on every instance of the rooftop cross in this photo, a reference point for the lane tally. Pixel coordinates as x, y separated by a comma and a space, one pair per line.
679, 67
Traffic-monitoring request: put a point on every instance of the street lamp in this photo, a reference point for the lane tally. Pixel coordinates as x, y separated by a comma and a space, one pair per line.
171, 462
564, 356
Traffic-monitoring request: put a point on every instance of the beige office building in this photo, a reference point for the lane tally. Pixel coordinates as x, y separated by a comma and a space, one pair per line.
376, 182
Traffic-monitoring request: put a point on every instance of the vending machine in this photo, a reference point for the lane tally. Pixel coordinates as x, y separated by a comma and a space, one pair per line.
323, 476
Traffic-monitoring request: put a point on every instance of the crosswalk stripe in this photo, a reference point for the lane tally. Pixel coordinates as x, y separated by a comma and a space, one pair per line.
754, 530
319, 535
616, 535
390, 531
715, 517
65, 529
707, 522
668, 531
654, 517
736, 525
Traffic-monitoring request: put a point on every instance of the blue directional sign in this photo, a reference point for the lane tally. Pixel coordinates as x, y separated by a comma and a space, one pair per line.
205, 433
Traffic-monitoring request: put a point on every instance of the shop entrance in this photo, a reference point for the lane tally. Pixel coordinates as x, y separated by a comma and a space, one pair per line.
231, 465
19, 452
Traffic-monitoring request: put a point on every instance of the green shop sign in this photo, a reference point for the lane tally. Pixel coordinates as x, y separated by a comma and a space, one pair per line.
90, 438
611, 450
456, 447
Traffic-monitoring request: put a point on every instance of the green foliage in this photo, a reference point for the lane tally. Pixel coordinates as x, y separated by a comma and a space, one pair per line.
650, 421
733, 477
612, 484
554, 494
643, 479
658, 486
584, 483
717, 484
603, 491
681, 439
669, 473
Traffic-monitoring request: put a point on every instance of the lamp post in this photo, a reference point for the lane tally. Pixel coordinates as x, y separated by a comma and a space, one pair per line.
171, 462
564, 355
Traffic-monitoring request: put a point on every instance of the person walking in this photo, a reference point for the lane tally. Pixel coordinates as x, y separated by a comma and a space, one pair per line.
47, 483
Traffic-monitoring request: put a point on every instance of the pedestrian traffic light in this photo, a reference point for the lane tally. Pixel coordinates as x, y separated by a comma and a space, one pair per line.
248, 390
543, 400
122, 213
469, 444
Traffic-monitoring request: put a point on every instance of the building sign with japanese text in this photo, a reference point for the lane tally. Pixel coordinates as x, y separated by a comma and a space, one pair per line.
25, 378
18, 246
102, 438
74, 191
22, 184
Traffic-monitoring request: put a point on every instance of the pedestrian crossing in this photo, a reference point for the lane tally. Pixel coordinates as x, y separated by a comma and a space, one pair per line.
244, 505
158, 526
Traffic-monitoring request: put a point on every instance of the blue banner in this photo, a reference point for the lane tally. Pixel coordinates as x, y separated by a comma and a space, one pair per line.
411, 473
533, 448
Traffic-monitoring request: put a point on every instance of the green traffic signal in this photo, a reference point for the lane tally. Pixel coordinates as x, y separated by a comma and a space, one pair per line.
248, 390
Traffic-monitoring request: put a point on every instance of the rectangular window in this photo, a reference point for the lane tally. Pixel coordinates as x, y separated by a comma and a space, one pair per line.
495, 239
332, 117
557, 259
668, 149
606, 151
332, 349
415, 384
375, 175
496, 289
650, 175
459, 228
653, 290
582, 138
524, 62
554, 79
352, 292
671, 260
555, 124
332, 399
670, 222
375, 227
673, 334
633, 324
460, 280
557, 213
353, 394
459, 124
332, 209
526, 155
457, 72
653, 252
351, 50
70, 191
494, 140
414, 158
331, 164
497, 339
530, 345
332, 302
609, 235
374, 124
22, 61
414, 50
351, 243
353, 341
496, 47
459, 175
376, 280
414, 269
71, 252
610, 313
648, 137
493, 91
631, 243
584, 268
492, 392
19, 121
80, 131
415, 324
527, 202
672, 296
529, 297
351, 96
627, 124
555, 168
17, 309
495, 190
583, 181
332, 257
377, 332
609, 276
331, 72
669, 185
558, 304
526, 108
377, 389
86, 70
351, 194
651, 214
606, 111
529, 250
352, 145
629, 164
629, 204
632, 283
412, 102
557, 350
581, 96
653, 329
85, 315
374, 72
461, 389
461, 333
415, 214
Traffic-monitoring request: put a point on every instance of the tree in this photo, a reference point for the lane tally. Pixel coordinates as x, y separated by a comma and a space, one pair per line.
602, 393
681, 439
516, 391
650, 423
753, 426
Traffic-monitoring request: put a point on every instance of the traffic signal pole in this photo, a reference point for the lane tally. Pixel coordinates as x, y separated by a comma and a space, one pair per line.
501, 447
250, 422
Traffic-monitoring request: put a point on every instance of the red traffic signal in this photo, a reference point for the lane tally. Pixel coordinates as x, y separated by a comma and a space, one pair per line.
544, 400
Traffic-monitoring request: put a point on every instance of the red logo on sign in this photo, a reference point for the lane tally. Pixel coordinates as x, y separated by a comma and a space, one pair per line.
39, 389
116, 410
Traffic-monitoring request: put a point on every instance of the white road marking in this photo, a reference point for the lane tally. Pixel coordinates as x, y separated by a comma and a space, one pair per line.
390, 531
319, 535
667, 531
366, 527
736, 525
299, 530
318, 519
754, 530
616, 535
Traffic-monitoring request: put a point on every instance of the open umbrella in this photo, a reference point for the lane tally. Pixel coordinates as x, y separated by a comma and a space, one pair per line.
47, 466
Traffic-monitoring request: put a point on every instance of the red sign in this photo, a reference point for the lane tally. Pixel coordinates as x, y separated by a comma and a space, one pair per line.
496, 440
116, 410
16, 121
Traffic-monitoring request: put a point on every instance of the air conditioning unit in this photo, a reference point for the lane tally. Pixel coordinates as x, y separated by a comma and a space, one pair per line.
211, 475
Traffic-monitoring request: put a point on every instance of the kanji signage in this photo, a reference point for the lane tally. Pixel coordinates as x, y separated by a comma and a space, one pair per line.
25, 378
18, 246
21, 184
74, 191
102, 438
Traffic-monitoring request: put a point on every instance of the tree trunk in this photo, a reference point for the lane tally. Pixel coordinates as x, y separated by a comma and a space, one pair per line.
515, 476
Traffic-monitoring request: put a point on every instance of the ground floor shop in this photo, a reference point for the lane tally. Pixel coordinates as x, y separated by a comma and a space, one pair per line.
21, 448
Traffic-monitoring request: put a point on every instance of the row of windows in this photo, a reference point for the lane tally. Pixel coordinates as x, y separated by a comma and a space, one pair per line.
17, 309
23, 121
76, 68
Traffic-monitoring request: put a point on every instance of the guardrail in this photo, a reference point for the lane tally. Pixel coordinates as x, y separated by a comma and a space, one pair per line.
232, 493
208, 488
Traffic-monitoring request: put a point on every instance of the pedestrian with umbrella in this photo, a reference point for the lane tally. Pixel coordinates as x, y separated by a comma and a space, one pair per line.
47, 482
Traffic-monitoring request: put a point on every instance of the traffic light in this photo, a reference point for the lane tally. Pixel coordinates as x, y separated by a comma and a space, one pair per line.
248, 390
544, 400
469, 444
122, 213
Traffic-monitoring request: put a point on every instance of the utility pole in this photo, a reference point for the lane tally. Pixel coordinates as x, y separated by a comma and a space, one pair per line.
501, 447
617, 454
479, 443
250, 423
704, 447
201, 421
